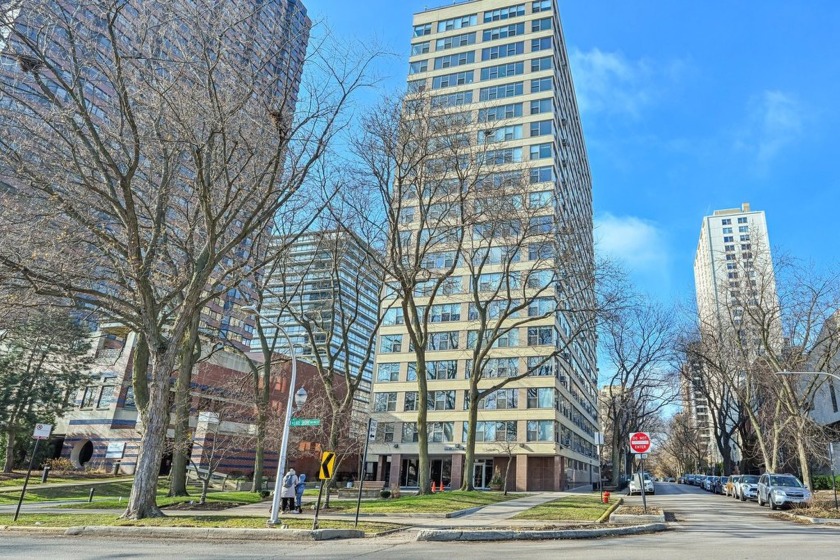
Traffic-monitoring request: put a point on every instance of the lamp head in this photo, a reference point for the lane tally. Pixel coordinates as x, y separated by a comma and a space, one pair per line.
300, 397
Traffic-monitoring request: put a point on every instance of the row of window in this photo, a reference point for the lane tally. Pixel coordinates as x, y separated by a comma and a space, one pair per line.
487, 73
466, 39
447, 312
741, 229
450, 340
493, 368
728, 221
486, 431
503, 399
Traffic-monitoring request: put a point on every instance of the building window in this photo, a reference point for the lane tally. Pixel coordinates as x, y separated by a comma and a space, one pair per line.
541, 151
420, 48
443, 341
500, 92
540, 430
385, 432
503, 32
540, 224
728, 239
452, 80
503, 399
455, 41
542, 199
440, 432
409, 432
391, 343
107, 396
541, 128
509, 111
493, 431
541, 397
509, 339
454, 60
742, 220
541, 307
457, 23
410, 401
421, 30
503, 51
504, 13
833, 395
542, 44
441, 400
541, 106
726, 222
388, 372
540, 366
385, 402
501, 134
727, 230
452, 99
393, 316
540, 336
445, 312
542, 64
542, 84
541, 6
417, 67
743, 229
502, 71
541, 174
541, 24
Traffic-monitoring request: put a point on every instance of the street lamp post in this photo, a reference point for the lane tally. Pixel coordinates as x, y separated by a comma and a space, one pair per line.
299, 398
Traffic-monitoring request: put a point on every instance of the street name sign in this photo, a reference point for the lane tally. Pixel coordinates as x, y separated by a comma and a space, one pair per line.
305, 422
639, 443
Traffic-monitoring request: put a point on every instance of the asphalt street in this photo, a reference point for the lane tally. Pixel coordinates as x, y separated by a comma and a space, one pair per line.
707, 527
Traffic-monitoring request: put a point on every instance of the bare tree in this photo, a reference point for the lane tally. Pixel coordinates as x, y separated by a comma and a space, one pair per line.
639, 342
172, 156
683, 447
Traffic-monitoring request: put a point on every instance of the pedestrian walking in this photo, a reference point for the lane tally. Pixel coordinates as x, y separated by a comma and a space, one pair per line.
301, 486
287, 493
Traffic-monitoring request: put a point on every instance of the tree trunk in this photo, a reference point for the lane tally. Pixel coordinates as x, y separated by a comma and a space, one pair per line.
259, 450
803, 461
142, 502
424, 467
181, 447
10, 451
615, 451
205, 484
472, 424
334, 429
507, 471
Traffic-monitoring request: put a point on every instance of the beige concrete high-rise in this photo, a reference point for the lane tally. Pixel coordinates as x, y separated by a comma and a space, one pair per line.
506, 63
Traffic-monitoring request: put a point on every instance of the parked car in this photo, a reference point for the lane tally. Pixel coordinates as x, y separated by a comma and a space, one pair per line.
729, 488
636, 484
747, 488
709, 483
720, 484
781, 490
699, 480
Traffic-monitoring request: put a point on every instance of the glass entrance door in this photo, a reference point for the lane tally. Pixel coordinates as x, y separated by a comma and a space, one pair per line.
482, 473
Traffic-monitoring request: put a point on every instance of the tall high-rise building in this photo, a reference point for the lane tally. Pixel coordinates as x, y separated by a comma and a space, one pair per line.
503, 63
733, 271
323, 280
733, 266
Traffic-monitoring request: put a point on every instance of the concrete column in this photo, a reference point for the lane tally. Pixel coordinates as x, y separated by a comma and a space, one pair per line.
563, 473
380, 467
457, 472
521, 473
558, 473
396, 465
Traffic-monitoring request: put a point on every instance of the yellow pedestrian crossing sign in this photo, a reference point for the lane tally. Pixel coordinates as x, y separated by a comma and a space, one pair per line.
327, 465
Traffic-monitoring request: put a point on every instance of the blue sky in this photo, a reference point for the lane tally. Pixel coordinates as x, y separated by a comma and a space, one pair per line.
687, 107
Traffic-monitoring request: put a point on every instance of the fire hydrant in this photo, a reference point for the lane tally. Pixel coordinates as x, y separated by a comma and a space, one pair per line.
605, 498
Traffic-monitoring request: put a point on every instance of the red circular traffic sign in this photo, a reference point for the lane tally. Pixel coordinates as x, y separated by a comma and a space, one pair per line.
639, 442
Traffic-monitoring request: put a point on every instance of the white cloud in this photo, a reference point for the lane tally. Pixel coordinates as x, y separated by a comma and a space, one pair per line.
638, 244
606, 82
775, 120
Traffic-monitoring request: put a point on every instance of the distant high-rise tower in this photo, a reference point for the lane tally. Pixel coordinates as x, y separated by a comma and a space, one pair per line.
505, 64
733, 272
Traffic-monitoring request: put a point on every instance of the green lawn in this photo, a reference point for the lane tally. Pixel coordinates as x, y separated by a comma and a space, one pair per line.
114, 490
442, 502
52, 520
572, 508
35, 480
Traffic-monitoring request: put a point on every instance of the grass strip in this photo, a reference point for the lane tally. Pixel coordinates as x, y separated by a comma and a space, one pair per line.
215, 521
441, 502
570, 508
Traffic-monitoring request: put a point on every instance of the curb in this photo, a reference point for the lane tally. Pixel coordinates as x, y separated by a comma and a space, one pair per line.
606, 515
32, 529
215, 533
813, 520
446, 535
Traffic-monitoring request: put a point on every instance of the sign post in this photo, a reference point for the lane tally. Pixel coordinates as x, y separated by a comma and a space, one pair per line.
371, 435
599, 441
325, 473
640, 445
833, 476
42, 431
